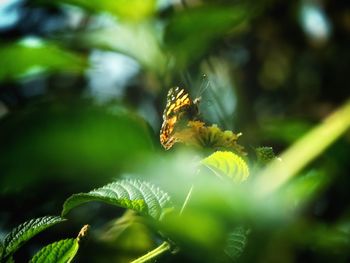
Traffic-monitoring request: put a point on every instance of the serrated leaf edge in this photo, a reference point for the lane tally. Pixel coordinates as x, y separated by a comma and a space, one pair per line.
154, 198
11, 238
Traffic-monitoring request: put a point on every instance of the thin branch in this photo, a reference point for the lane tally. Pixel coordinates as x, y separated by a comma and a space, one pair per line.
186, 200
165, 246
304, 151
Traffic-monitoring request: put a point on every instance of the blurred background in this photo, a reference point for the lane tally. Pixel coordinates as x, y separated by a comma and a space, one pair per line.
83, 85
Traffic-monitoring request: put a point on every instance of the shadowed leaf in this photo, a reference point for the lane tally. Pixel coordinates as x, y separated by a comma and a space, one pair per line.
22, 233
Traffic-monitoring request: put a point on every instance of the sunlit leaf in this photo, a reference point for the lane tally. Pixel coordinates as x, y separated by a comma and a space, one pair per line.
142, 197
22, 233
139, 41
227, 164
128, 233
192, 31
191, 229
33, 56
127, 9
62, 251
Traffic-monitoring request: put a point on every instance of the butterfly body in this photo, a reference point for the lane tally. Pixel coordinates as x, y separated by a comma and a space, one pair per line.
180, 108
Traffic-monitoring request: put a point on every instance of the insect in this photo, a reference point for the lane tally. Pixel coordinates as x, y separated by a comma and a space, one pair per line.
179, 109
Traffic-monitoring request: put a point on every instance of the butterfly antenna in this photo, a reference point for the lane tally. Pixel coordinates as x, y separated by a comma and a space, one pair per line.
205, 84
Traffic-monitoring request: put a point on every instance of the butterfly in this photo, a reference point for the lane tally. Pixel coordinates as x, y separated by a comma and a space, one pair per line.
179, 109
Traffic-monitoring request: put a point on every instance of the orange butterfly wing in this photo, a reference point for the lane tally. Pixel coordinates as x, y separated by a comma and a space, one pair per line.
178, 104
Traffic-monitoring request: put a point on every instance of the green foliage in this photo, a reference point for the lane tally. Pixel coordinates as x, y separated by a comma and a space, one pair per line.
264, 155
33, 56
130, 39
191, 32
227, 164
303, 189
305, 150
142, 197
236, 242
22, 233
70, 137
59, 252
285, 130
126, 9
58, 138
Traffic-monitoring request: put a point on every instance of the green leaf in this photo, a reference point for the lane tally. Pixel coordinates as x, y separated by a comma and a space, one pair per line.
85, 143
227, 164
142, 197
236, 242
126, 9
33, 56
302, 189
264, 155
22, 233
131, 40
191, 32
62, 251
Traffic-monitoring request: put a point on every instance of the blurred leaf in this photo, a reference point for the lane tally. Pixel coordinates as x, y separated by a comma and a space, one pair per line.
142, 197
190, 230
302, 189
33, 56
192, 31
71, 141
321, 236
284, 130
127, 233
22, 233
126, 9
62, 251
139, 41
330, 238
227, 164
306, 149
236, 242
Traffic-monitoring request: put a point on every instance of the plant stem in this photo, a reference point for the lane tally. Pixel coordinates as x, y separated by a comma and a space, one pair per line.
304, 151
165, 246
186, 200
